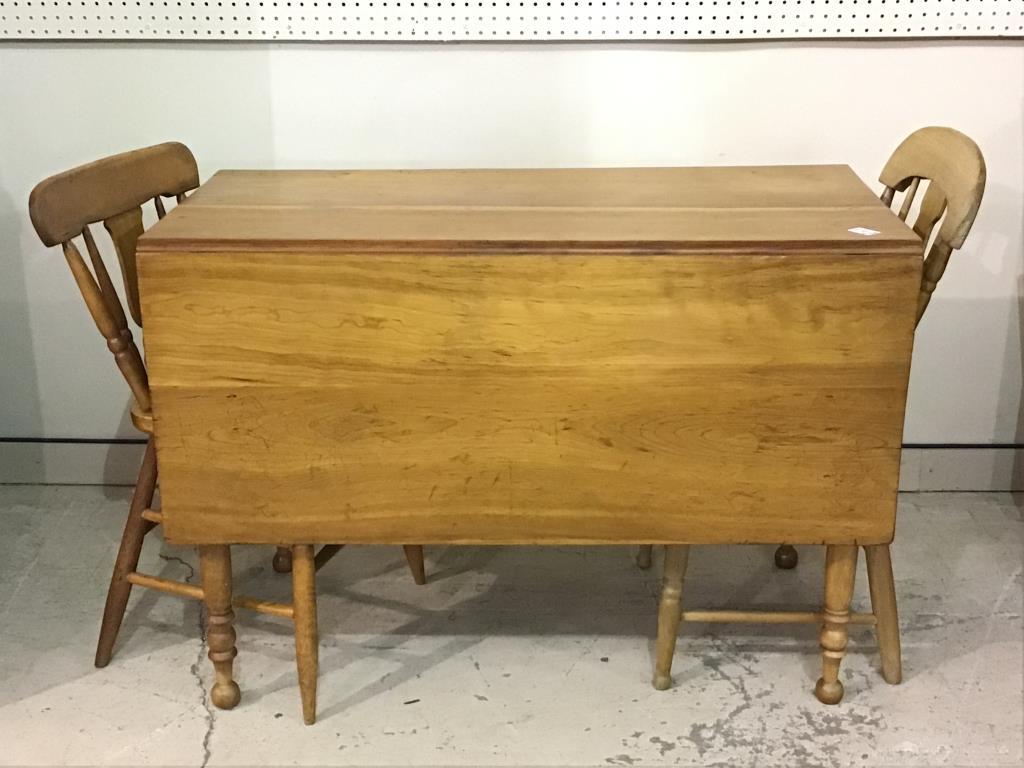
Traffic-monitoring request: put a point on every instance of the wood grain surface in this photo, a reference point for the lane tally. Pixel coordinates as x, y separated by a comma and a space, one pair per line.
323, 394
765, 208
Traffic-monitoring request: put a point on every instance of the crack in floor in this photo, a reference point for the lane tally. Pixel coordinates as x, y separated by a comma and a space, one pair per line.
175, 559
209, 714
204, 700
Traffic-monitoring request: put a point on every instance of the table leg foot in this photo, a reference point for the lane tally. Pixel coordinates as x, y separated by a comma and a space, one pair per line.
215, 565
786, 557
829, 692
282, 561
840, 569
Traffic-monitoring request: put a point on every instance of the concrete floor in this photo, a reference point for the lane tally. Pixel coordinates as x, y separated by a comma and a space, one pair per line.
510, 656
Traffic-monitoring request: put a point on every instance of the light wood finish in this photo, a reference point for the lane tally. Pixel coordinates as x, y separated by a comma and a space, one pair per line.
676, 356
306, 636
762, 208
955, 170
883, 605
167, 586
269, 607
194, 592
840, 570
669, 613
555, 230
744, 188
215, 569
153, 516
769, 617
487, 404
62, 208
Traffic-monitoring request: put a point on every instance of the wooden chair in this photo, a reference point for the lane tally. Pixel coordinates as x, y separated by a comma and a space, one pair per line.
954, 168
113, 191
951, 168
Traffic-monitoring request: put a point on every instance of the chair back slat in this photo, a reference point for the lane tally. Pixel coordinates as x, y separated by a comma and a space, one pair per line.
106, 285
125, 229
954, 168
119, 340
932, 207
908, 199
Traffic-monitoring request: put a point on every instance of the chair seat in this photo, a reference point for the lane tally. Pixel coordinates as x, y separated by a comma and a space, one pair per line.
143, 420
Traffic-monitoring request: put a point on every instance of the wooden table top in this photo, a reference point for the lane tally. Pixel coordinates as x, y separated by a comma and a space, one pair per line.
716, 209
354, 356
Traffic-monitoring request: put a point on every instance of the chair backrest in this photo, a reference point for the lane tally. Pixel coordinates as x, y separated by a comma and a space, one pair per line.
112, 190
954, 168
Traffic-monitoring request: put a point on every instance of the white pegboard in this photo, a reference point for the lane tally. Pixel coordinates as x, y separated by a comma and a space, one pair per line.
506, 19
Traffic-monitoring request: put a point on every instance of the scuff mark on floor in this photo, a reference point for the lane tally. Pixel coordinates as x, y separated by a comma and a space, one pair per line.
204, 697
621, 760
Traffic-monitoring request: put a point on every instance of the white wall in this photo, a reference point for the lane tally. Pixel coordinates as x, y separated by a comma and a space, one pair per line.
523, 105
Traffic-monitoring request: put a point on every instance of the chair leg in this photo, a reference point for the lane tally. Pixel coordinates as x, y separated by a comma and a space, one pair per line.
414, 557
840, 569
215, 567
883, 605
644, 556
306, 635
282, 561
786, 557
669, 613
135, 530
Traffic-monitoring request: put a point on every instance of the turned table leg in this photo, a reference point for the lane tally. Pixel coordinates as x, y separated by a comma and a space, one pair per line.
840, 569
307, 637
215, 565
669, 613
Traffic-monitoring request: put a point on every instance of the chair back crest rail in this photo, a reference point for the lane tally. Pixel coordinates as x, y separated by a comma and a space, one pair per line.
113, 191
954, 168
